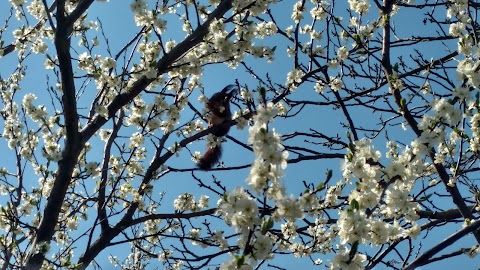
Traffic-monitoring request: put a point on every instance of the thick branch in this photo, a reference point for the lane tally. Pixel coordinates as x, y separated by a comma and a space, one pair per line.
162, 66
73, 144
388, 69
79, 10
424, 258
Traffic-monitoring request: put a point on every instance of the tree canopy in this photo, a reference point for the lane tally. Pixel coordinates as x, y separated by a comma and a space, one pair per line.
353, 144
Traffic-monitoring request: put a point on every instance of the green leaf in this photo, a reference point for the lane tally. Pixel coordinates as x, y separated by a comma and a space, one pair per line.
395, 67
354, 205
320, 186
239, 260
424, 198
329, 175
262, 92
267, 224
351, 147
356, 37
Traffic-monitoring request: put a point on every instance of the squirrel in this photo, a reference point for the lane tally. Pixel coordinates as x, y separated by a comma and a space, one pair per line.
219, 107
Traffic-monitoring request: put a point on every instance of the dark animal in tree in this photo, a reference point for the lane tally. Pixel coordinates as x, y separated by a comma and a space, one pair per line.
219, 107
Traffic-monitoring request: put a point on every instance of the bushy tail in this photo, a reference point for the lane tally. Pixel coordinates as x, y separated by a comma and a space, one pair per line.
211, 156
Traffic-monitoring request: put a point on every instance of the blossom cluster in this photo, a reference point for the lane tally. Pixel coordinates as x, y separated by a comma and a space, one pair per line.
381, 194
270, 159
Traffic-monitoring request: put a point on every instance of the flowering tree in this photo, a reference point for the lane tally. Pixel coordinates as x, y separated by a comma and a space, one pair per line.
381, 96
